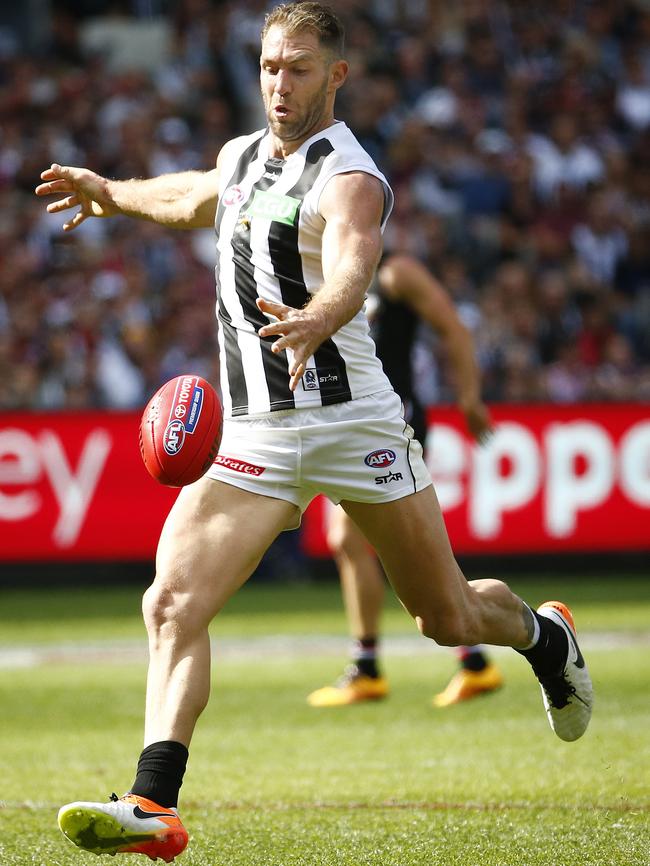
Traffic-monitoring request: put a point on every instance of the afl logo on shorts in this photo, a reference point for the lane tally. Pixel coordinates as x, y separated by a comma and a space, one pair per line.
233, 195
174, 437
380, 459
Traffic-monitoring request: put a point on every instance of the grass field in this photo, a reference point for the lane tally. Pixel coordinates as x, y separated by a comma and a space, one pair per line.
272, 782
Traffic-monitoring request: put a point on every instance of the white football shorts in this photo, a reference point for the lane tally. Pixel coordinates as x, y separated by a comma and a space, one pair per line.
361, 450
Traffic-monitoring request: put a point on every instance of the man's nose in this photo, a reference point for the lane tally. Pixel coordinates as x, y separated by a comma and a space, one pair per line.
282, 82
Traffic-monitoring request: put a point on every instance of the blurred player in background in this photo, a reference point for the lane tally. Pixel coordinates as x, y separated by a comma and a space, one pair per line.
403, 294
299, 209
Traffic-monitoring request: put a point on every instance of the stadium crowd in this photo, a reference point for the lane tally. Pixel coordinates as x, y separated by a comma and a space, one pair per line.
516, 137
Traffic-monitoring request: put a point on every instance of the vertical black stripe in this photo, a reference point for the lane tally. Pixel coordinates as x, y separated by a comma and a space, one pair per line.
287, 266
234, 364
276, 369
408, 456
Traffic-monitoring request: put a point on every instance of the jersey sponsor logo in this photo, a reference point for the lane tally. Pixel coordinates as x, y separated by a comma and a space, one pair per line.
320, 378
174, 437
239, 465
233, 195
271, 206
380, 459
386, 479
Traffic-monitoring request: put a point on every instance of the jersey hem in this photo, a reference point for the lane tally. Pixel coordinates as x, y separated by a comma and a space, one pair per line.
241, 412
387, 497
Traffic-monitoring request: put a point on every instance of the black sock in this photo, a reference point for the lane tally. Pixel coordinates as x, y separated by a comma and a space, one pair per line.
365, 656
549, 654
160, 772
472, 659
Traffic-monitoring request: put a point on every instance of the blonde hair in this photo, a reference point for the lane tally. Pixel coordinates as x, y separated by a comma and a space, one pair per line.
316, 17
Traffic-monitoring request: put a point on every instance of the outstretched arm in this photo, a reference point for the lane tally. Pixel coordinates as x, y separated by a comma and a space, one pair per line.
352, 205
405, 279
185, 200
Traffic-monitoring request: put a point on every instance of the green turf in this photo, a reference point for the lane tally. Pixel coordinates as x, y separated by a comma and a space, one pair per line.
97, 613
274, 783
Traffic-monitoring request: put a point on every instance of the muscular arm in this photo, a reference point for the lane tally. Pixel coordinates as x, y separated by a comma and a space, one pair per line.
405, 279
352, 205
184, 200
351, 247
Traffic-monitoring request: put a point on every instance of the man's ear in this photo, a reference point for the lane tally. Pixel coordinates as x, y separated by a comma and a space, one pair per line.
338, 73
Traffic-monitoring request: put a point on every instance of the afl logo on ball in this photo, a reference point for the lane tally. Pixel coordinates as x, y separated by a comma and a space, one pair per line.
233, 195
380, 459
174, 437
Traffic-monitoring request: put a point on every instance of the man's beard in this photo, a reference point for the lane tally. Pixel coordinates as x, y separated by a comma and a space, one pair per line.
301, 126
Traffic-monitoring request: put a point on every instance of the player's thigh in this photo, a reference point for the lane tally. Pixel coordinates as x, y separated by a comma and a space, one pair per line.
214, 537
410, 537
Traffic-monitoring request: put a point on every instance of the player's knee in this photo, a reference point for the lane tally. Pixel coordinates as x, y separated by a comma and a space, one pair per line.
157, 608
167, 612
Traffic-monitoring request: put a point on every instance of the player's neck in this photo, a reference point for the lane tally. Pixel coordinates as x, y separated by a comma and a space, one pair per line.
280, 149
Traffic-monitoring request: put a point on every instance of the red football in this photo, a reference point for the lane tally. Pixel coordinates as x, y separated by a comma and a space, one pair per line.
180, 430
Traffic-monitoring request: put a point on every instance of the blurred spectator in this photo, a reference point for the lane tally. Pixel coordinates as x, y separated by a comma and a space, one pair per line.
614, 378
558, 319
633, 94
562, 158
516, 137
600, 243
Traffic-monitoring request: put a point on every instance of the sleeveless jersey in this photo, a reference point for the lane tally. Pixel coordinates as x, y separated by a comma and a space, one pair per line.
269, 235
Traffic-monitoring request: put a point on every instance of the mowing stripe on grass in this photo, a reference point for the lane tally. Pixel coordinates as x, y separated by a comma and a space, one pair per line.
271, 646
622, 806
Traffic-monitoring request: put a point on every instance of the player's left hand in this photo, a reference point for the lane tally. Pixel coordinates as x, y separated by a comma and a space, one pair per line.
301, 332
477, 416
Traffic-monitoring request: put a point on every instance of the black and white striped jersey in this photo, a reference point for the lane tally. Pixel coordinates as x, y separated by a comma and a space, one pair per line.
269, 235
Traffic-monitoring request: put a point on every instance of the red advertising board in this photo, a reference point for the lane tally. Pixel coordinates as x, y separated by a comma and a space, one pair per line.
551, 479
73, 487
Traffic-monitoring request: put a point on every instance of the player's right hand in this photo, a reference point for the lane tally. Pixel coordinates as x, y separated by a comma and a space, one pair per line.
80, 188
299, 332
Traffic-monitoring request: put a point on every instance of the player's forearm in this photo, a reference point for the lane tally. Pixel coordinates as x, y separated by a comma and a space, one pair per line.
170, 199
344, 291
336, 304
466, 373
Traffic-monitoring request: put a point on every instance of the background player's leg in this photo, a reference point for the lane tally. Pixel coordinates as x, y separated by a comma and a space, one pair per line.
364, 587
213, 539
362, 579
